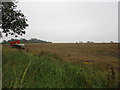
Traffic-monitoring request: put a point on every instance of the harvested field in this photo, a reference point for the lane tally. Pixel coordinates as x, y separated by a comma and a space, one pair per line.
102, 53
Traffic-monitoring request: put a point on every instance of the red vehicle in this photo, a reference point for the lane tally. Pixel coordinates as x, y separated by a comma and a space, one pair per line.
17, 44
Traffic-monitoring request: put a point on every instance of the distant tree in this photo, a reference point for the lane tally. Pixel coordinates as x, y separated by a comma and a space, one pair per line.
92, 42
23, 40
88, 42
4, 42
12, 40
13, 21
34, 39
111, 42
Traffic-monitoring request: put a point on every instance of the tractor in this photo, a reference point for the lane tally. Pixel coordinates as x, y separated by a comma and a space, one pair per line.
17, 44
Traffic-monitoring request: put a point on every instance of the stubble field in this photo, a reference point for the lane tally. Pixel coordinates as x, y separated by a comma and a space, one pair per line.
101, 53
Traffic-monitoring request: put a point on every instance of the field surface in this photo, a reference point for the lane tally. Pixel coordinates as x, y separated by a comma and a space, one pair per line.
61, 65
106, 54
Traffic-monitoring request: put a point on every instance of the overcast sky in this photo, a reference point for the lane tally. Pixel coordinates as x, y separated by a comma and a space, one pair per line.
69, 22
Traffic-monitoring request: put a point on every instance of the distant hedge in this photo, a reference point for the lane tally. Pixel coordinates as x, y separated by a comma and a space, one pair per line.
26, 41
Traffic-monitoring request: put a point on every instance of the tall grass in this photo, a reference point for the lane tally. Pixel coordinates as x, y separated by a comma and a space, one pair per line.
45, 70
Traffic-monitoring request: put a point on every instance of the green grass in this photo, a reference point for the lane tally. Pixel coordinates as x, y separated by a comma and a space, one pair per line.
26, 70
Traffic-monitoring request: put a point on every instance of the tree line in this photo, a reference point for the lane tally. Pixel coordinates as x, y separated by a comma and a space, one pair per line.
23, 40
93, 42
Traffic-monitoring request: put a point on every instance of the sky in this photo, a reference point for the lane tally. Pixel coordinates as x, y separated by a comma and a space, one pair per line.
70, 21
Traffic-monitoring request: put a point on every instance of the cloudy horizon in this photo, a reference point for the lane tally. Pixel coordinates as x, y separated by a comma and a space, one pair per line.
70, 22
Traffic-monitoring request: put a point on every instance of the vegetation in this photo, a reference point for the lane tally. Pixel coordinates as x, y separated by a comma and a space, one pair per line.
13, 22
45, 69
32, 40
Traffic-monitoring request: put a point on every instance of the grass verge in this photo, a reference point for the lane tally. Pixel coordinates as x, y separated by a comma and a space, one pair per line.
26, 70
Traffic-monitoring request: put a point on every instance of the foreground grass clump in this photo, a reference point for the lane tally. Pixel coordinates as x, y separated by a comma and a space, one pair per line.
26, 70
